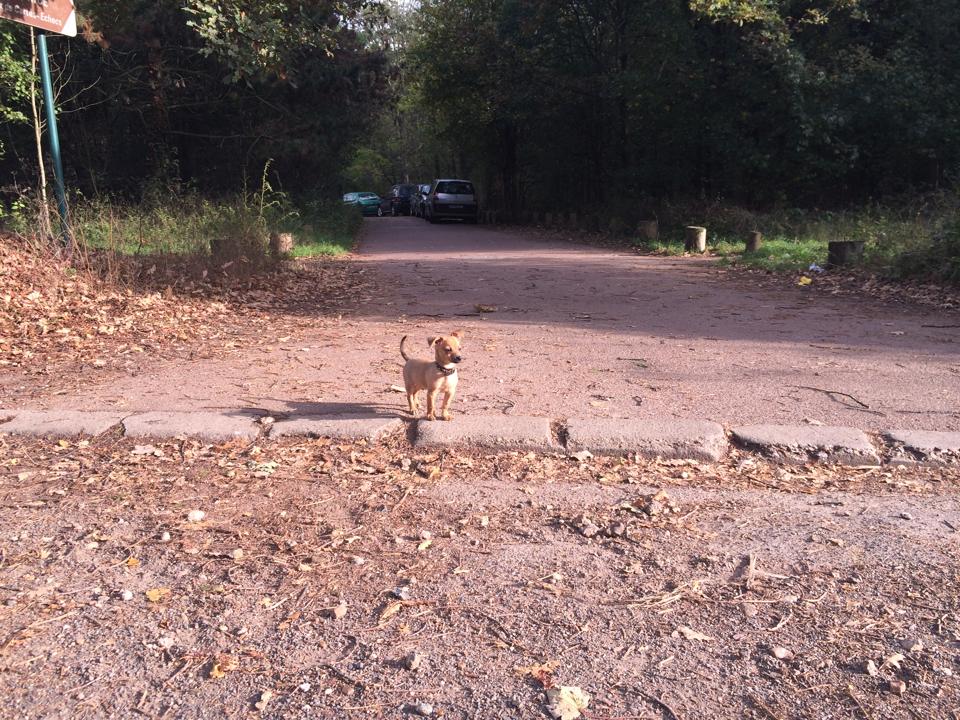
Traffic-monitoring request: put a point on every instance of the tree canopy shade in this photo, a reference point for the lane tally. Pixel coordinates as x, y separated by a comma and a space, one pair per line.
586, 102
206, 92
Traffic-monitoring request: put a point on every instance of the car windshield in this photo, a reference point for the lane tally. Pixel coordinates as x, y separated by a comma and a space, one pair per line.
455, 187
425, 189
349, 197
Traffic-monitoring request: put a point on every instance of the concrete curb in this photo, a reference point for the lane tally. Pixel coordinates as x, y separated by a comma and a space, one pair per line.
668, 439
213, 427
923, 447
58, 424
341, 427
798, 444
508, 433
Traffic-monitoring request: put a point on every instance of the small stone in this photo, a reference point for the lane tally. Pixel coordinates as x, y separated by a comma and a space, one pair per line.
898, 687
413, 661
166, 642
871, 668
11, 602
654, 508
339, 611
357, 560
304, 686
426, 535
237, 554
912, 644
165, 537
589, 530
126, 596
196, 516
422, 709
401, 593
905, 516
617, 530
749, 609
781, 653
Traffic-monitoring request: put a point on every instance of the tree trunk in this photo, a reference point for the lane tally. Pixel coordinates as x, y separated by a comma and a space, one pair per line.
695, 239
281, 244
754, 241
649, 230
844, 252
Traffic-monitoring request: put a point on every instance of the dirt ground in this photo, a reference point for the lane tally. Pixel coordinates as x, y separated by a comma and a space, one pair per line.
347, 581
573, 331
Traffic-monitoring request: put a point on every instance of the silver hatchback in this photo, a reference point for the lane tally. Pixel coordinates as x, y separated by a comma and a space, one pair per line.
451, 199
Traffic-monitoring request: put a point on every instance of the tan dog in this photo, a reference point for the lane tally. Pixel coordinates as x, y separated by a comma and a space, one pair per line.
434, 376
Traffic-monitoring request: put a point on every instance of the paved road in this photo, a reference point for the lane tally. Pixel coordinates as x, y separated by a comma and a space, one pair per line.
580, 331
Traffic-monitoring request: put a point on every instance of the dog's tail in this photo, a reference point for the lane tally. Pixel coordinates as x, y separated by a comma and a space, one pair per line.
402, 352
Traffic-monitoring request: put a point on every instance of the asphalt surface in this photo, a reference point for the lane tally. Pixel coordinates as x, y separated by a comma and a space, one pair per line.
576, 331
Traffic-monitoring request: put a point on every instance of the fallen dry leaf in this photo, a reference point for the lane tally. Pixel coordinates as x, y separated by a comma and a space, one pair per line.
566, 702
156, 595
265, 697
222, 664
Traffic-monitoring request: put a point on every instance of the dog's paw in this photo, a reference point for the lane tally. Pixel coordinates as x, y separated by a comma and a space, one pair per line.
429, 416
446, 416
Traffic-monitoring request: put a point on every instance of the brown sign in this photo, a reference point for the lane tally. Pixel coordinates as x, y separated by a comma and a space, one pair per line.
57, 16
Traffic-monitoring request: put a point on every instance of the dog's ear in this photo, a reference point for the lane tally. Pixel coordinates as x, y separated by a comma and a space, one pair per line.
458, 334
431, 341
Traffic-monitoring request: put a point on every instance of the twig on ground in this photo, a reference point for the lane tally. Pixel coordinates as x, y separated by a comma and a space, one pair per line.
856, 701
762, 706
835, 392
657, 701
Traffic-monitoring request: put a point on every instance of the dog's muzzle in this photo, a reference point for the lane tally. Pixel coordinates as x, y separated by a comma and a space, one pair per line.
456, 359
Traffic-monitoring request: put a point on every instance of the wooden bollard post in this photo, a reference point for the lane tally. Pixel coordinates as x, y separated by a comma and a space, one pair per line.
844, 252
281, 244
695, 239
754, 241
649, 230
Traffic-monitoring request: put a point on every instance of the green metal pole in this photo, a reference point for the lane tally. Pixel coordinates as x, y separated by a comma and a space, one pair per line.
54, 137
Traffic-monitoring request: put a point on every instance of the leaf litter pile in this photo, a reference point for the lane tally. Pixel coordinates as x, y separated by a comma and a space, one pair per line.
55, 322
324, 580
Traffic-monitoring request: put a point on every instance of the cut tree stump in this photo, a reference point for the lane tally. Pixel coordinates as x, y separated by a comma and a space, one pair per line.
281, 244
649, 230
844, 252
695, 239
754, 241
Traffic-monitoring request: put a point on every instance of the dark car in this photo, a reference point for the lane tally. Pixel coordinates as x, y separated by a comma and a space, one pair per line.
418, 198
401, 199
368, 203
451, 199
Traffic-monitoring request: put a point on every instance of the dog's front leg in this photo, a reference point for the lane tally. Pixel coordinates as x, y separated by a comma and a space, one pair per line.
412, 402
447, 399
431, 403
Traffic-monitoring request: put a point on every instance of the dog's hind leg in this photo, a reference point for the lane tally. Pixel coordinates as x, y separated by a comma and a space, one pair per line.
412, 403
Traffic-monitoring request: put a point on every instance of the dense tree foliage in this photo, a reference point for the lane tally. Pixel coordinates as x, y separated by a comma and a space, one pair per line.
586, 103
160, 91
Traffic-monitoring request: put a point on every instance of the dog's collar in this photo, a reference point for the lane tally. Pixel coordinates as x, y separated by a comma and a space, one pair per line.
446, 371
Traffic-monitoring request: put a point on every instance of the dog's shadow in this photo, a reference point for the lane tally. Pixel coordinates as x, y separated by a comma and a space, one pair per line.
358, 411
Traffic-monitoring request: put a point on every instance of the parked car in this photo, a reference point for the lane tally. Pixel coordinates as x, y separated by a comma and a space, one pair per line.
451, 199
418, 198
367, 202
401, 197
